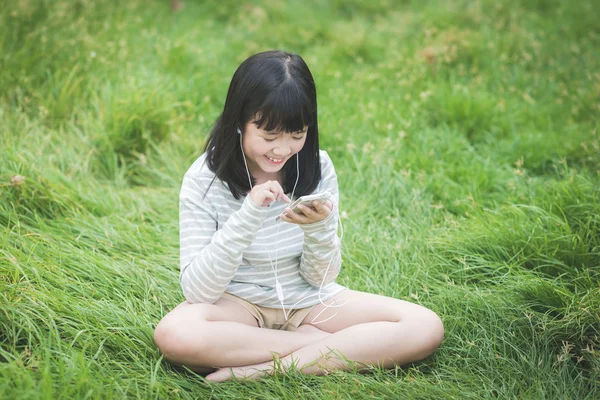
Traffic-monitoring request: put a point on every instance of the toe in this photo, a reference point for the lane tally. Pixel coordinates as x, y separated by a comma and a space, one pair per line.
219, 375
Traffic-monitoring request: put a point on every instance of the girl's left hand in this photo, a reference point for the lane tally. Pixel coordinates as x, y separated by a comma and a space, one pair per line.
308, 215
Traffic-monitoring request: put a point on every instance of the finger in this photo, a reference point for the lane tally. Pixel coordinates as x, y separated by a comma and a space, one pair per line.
286, 213
301, 219
270, 195
288, 218
284, 217
322, 209
283, 197
318, 206
269, 198
309, 212
295, 217
275, 187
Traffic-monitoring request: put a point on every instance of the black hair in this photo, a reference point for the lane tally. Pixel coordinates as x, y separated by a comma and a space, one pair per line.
276, 91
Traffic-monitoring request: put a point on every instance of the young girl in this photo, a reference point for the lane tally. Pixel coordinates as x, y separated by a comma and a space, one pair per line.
258, 287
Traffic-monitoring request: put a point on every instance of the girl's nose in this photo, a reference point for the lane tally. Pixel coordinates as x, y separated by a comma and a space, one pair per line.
281, 151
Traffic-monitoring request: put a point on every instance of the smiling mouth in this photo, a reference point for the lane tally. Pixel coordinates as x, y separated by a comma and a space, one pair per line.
274, 160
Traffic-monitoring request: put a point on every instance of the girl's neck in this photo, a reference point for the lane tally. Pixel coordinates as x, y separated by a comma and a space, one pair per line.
260, 179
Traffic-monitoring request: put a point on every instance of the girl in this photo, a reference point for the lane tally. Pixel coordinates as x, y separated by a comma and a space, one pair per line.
257, 287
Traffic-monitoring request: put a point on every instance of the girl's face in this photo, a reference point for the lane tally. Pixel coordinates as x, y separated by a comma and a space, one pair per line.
268, 151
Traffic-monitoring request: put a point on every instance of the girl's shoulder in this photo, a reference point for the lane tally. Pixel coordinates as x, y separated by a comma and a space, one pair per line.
200, 176
199, 168
326, 162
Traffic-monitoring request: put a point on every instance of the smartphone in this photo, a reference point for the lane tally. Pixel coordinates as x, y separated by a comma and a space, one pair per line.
307, 201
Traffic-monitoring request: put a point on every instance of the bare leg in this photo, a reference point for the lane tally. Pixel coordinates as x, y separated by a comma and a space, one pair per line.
411, 333
224, 334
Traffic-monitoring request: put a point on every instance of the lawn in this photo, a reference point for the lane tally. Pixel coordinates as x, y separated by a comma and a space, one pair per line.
466, 140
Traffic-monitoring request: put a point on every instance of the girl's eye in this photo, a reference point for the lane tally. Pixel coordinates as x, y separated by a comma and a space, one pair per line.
270, 140
298, 138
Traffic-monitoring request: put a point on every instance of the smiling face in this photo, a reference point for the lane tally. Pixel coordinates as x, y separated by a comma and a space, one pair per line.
268, 151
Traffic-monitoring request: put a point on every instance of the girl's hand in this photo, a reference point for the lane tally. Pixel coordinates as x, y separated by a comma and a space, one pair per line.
267, 193
309, 215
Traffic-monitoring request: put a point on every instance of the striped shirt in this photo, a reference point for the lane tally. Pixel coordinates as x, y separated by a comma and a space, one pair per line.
235, 246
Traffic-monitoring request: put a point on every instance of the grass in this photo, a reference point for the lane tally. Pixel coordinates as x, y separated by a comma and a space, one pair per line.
470, 130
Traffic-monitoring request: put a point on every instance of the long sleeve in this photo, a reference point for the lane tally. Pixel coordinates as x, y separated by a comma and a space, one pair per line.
210, 257
321, 243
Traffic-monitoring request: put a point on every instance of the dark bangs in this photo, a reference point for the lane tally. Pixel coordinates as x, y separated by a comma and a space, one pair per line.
286, 109
276, 91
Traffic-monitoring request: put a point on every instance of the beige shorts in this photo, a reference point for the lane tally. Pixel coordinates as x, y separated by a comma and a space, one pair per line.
272, 318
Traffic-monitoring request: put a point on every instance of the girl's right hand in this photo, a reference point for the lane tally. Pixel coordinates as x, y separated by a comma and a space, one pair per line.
266, 193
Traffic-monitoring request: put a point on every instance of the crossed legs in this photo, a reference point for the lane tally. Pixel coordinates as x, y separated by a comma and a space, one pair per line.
369, 329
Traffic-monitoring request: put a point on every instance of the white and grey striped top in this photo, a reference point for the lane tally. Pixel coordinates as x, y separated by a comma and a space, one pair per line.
235, 246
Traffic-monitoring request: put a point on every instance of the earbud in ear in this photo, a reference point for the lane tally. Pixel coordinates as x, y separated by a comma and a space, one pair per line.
239, 131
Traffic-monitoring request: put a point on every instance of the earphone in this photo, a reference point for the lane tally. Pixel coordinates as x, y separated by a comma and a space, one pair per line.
278, 288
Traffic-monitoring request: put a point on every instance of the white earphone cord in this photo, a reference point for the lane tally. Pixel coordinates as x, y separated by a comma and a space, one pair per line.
278, 287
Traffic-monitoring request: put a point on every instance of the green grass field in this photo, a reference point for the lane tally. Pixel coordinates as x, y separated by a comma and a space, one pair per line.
466, 138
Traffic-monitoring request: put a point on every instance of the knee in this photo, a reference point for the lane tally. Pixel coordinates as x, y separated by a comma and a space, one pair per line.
427, 331
166, 337
432, 331
172, 337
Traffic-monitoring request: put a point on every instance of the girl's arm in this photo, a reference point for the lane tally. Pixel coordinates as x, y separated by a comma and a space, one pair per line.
321, 243
210, 257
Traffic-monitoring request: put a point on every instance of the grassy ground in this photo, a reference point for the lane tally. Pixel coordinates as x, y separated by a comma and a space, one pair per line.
466, 140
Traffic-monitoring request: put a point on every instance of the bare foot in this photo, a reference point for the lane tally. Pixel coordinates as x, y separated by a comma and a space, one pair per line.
258, 371
252, 372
